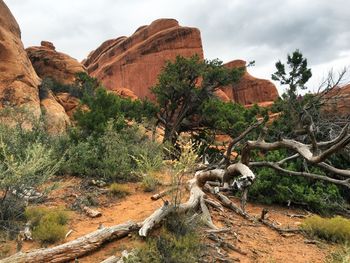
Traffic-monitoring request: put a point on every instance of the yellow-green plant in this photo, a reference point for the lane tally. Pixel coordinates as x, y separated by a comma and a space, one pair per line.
336, 229
118, 190
183, 165
49, 224
339, 256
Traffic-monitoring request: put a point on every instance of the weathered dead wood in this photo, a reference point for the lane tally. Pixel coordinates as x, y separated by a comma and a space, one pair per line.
76, 248
305, 174
240, 138
225, 245
161, 194
304, 150
195, 200
91, 212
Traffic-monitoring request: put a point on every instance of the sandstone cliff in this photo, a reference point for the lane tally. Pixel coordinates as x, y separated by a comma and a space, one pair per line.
18, 80
19, 83
134, 62
338, 101
250, 90
48, 62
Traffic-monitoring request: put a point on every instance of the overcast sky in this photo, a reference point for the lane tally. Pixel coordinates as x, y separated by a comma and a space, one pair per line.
260, 30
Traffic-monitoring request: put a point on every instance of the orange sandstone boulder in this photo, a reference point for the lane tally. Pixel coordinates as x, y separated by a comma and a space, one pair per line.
136, 61
18, 80
249, 90
48, 62
57, 120
337, 101
68, 102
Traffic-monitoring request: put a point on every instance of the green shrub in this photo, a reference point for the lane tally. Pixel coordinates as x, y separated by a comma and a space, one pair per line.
271, 187
177, 242
118, 190
49, 233
149, 183
111, 156
28, 157
48, 224
335, 229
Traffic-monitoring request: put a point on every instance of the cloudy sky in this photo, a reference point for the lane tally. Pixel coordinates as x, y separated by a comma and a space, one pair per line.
260, 30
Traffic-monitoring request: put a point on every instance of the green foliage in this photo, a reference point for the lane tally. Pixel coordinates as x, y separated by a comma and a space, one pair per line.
111, 156
183, 86
84, 84
48, 224
118, 190
229, 118
272, 187
298, 75
336, 229
103, 107
28, 157
171, 245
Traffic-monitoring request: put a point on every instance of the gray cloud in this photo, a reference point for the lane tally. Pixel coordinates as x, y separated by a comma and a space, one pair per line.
264, 31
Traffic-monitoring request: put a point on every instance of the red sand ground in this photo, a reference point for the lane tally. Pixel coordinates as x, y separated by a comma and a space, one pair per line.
259, 242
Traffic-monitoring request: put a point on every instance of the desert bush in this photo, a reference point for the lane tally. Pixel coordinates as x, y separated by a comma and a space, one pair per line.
336, 229
118, 190
271, 187
48, 224
28, 157
111, 156
149, 183
177, 242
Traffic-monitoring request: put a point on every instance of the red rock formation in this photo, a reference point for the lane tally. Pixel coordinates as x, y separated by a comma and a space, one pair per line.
338, 101
249, 90
48, 62
136, 61
68, 102
56, 117
18, 80
125, 93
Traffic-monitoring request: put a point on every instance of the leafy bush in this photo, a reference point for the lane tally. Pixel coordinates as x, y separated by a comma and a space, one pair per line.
28, 157
335, 229
48, 224
111, 156
272, 187
118, 190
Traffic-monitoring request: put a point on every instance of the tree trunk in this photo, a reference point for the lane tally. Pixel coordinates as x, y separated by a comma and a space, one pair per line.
76, 248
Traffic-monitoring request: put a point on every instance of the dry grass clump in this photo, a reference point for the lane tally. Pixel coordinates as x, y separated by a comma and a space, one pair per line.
49, 224
118, 190
336, 229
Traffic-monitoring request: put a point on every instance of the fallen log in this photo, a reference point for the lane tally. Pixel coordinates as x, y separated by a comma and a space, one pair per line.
76, 248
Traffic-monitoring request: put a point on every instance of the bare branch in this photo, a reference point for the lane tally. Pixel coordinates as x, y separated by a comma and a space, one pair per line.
241, 137
308, 175
334, 170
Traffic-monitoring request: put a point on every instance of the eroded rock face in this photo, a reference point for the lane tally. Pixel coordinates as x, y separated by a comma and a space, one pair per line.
55, 115
249, 90
68, 102
18, 80
48, 62
135, 62
337, 102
